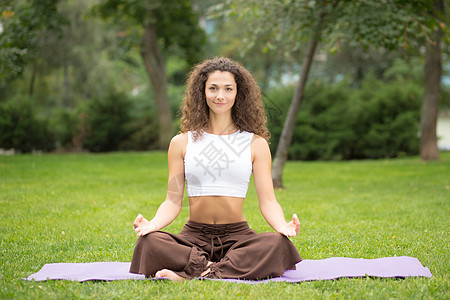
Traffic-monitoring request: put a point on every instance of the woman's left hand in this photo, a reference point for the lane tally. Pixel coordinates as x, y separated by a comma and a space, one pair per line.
142, 226
292, 228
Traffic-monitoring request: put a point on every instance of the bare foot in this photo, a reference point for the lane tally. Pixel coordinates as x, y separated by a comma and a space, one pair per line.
206, 272
164, 273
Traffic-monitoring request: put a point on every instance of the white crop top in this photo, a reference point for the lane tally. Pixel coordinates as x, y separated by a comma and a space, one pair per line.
218, 165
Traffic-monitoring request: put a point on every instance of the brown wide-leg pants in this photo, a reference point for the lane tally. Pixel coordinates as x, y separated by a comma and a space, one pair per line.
235, 250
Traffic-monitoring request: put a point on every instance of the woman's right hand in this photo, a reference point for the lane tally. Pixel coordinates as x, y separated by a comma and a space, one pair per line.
142, 226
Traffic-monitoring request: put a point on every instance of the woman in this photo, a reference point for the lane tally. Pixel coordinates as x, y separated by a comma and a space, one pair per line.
223, 140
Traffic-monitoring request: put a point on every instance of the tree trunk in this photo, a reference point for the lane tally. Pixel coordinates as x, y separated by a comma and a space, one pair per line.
289, 124
66, 85
430, 104
32, 80
156, 68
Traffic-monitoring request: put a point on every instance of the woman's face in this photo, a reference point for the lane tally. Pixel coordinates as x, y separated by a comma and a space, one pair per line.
220, 91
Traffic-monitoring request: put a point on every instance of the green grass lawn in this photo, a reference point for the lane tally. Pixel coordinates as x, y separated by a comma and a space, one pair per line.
80, 208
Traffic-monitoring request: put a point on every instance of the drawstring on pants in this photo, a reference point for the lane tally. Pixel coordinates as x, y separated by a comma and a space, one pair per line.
212, 246
215, 234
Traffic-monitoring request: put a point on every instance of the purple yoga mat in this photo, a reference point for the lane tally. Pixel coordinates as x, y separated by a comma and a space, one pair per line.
306, 270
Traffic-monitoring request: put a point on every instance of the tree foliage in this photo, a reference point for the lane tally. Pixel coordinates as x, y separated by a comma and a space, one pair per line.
177, 25
381, 24
371, 23
158, 28
22, 23
73, 65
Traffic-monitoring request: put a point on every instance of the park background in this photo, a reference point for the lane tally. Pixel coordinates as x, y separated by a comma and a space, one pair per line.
89, 98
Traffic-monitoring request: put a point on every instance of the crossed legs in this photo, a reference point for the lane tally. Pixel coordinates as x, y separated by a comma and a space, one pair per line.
257, 256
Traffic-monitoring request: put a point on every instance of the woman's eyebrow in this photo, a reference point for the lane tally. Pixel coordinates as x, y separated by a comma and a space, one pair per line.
215, 84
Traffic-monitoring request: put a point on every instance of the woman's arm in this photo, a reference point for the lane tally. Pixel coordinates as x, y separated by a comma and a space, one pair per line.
269, 206
171, 207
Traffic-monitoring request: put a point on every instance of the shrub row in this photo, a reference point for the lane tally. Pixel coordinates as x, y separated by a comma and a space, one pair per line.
111, 123
21, 129
337, 122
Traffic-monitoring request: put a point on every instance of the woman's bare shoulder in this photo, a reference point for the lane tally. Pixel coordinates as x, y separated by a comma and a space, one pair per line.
179, 142
260, 147
180, 138
258, 141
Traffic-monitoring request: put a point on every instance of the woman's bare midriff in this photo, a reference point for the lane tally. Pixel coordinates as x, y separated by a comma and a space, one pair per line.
216, 209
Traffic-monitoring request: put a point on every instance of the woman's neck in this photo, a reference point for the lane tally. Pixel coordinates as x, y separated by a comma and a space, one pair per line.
220, 124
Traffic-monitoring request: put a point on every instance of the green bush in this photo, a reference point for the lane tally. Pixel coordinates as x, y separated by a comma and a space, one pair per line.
143, 132
106, 120
338, 122
21, 128
386, 120
64, 124
335, 122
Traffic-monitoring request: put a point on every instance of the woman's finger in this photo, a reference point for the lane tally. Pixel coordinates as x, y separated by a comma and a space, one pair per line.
295, 219
137, 220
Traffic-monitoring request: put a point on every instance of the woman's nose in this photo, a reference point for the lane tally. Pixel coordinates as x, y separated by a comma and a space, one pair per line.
220, 94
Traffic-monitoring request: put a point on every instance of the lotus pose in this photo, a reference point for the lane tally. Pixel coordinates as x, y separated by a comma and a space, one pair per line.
223, 140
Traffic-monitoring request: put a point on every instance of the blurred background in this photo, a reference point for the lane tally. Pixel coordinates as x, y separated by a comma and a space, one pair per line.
372, 77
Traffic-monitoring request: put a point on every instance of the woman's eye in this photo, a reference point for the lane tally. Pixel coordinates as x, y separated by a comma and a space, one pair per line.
212, 88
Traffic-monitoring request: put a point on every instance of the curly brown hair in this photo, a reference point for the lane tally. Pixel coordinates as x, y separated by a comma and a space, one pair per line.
248, 110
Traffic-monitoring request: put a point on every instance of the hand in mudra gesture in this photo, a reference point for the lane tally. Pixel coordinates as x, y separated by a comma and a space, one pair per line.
142, 226
292, 228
